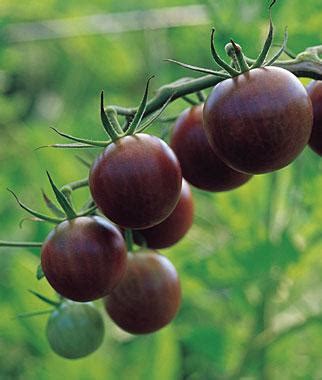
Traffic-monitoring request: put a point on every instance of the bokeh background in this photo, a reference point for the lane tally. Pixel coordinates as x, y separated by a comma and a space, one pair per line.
252, 261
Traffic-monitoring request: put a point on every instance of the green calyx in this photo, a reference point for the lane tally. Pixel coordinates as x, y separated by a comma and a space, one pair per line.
239, 62
65, 211
46, 300
109, 118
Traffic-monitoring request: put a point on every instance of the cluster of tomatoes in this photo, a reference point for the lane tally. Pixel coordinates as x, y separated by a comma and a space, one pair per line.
255, 123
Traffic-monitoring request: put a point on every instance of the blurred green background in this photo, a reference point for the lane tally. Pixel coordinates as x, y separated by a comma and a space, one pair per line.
252, 261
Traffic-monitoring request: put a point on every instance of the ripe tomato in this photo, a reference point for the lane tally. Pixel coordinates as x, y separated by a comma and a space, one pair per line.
314, 90
75, 330
149, 295
199, 163
174, 227
136, 182
84, 258
258, 121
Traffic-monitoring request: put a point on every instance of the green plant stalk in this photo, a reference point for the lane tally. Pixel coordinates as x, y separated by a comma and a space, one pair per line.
70, 187
27, 244
129, 239
307, 64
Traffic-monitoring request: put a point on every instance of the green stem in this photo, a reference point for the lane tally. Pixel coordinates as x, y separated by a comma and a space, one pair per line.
190, 101
201, 96
129, 239
240, 57
70, 187
307, 66
24, 244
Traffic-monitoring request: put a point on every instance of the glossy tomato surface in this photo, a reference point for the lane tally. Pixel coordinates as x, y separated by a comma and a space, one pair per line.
259, 121
314, 90
75, 330
149, 295
136, 182
173, 228
84, 258
200, 165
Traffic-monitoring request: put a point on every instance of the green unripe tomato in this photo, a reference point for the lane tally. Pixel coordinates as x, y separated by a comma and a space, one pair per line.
75, 330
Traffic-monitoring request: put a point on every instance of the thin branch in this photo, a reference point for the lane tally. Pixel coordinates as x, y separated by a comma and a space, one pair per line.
306, 65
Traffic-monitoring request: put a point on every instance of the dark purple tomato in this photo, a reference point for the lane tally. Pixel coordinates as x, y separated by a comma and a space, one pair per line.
149, 295
200, 165
83, 259
136, 182
75, 330
259, 121
173, 228
314, 90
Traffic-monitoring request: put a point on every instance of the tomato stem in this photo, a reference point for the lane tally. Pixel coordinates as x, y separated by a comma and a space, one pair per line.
68, 188
240, 57
201, 96
129, 239
27, 244
190, 101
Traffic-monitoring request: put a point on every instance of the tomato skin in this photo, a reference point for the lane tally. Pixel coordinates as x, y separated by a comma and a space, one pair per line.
75, 330
259, 121
200, 165
84, 259
174, 227
149, 295
136, 182
314, 90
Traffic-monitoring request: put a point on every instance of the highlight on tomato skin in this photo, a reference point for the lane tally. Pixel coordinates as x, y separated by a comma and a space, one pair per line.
75, 330
173, 228
259, 121
201, 167
136, 182
314, 90
149, 295
83, 259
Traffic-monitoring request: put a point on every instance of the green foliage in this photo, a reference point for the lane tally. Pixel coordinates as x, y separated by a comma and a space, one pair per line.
258, 245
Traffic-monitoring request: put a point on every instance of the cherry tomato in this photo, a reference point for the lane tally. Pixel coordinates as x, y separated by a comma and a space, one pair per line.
314, 90
149, 295
173, 228
136, 182
258, 121
84, 258
75, 330
199, 163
